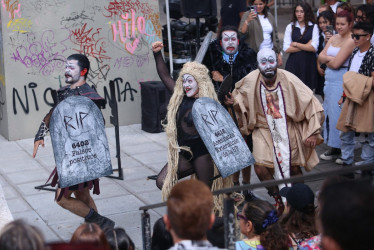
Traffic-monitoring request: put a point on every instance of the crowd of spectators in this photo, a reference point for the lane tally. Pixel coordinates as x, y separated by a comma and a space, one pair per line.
321, 46
340, 218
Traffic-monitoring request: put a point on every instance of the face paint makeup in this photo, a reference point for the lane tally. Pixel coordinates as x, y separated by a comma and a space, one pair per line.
267, 63
190, 85
230, 42
72, 72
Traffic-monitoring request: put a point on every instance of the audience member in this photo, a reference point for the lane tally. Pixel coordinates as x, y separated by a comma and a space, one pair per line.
299, 220
365, 13
358, 111
347, 216
118, 239
301, 42
161, 238
18, 235
333, 4
324, 7
259, 223
336, 57
260, 29
325, 19
315, 241
231, 13
91, 233
189, 215
345, 6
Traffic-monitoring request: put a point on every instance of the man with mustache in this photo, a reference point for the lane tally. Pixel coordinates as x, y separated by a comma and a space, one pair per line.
284, 143
228, 56
76, 71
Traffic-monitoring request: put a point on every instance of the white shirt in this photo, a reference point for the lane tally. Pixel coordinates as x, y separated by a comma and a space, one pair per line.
357, 61
287, 40
333, 7
267, 29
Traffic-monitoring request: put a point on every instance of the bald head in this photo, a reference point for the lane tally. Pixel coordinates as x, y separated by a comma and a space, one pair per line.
267, 63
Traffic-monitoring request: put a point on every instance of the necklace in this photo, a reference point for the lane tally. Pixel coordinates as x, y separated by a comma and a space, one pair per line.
361, 54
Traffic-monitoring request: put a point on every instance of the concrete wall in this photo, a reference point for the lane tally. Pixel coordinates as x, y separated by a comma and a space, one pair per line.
38, 35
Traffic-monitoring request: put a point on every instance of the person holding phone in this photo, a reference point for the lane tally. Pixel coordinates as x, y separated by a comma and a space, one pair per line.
260, 29
301, 43
326, 23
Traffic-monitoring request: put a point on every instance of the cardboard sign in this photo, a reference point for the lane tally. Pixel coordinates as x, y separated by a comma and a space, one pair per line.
221, 137
79, 141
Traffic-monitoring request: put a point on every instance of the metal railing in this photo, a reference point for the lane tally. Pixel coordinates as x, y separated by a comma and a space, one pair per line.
229, 214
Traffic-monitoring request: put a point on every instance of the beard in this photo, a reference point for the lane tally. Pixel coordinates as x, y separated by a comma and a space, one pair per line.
269, 74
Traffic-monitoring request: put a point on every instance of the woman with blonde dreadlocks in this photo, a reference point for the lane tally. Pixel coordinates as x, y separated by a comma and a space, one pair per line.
187, 153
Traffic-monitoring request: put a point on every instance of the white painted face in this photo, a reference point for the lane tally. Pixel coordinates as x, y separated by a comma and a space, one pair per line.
72, 72
230, 42
267, 62
190, 85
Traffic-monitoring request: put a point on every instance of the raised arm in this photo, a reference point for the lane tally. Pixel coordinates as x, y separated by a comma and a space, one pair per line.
162, 70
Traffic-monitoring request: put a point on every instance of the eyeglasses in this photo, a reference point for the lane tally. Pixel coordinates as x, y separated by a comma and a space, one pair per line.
357, 36
362, 18
240, 216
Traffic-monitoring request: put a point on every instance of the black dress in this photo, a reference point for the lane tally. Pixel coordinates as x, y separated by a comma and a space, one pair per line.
303, 63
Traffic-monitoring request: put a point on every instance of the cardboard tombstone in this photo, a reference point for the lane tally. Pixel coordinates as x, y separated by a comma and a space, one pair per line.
221, 136
79, 141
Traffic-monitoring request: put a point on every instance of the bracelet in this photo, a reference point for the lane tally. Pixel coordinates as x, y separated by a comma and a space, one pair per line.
246, 22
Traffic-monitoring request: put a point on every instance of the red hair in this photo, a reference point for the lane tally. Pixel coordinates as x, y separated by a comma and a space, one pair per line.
348, 15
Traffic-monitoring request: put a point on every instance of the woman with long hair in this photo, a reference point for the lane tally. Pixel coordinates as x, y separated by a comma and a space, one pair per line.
260, 29
260, 225
300, 219
187, 153
301, 42
325, 19
336, 57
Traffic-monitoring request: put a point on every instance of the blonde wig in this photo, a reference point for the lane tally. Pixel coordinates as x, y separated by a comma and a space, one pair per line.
206, 89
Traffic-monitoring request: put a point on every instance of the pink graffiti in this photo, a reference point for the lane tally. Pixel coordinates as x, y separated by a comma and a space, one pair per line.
90, 43
13, 7
118, 8
122, 30
42, 55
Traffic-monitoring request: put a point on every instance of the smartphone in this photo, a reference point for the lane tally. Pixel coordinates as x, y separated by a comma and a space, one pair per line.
253, 8
329, 29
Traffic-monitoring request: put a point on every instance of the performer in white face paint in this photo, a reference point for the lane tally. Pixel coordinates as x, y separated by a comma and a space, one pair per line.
187, 153
283, 117
76, 71
229, 55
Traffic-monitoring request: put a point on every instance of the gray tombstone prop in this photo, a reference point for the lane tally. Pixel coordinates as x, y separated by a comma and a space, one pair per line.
221, 137
79, 141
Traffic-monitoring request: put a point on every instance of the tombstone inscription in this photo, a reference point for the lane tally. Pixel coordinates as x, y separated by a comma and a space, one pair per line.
221, 136
79, 142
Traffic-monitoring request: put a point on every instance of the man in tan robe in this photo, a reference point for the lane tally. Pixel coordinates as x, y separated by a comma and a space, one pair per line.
292, 137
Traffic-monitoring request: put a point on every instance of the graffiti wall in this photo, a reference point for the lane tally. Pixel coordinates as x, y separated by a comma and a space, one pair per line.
38, 36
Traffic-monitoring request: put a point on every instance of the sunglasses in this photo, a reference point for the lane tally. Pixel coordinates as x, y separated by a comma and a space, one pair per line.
362, 18
240, 216
357, 36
